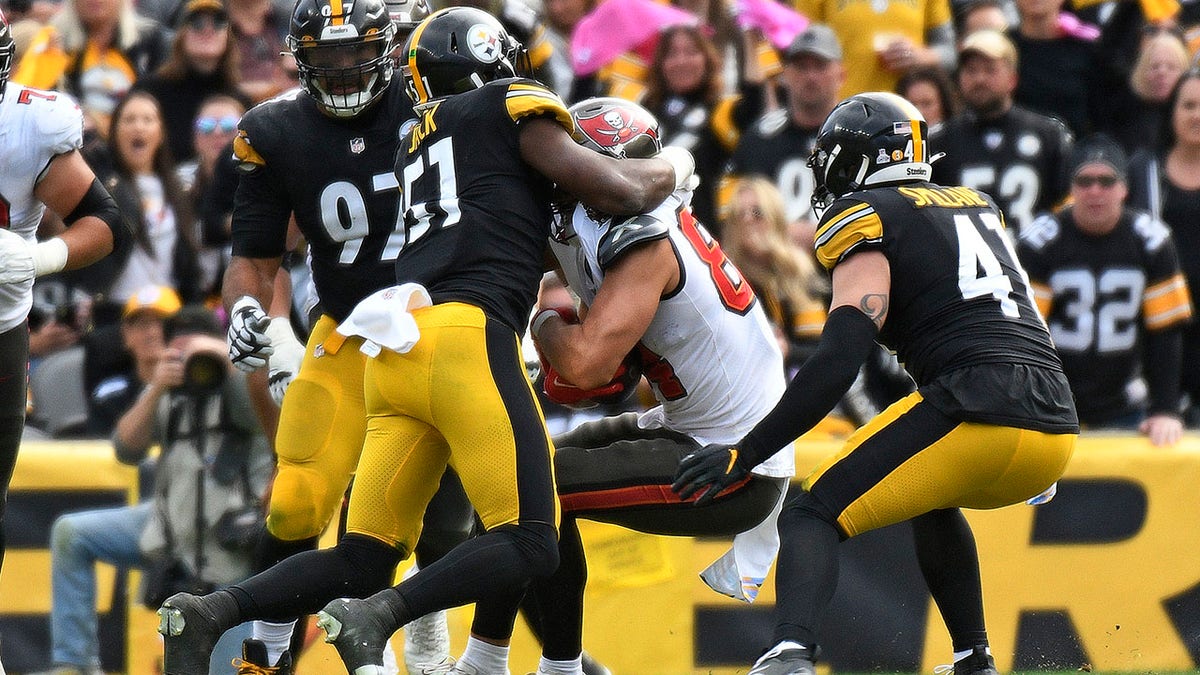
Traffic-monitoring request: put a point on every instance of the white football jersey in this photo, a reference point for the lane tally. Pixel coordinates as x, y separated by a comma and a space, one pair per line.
35, 126
710, 353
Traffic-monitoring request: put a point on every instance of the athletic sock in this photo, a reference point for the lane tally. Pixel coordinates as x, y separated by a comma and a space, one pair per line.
486, 657
572, 667
276, 636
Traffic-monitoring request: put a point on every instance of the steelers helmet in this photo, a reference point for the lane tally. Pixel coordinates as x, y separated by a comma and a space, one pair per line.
7, 50
616, 127
869, 139
406, 14
455, 50
342, 50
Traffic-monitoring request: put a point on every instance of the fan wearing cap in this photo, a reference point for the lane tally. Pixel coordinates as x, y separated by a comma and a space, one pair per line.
778, 144
1015, 155
1107, 279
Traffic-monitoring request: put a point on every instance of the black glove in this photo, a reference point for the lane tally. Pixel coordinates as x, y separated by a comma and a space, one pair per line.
709, 471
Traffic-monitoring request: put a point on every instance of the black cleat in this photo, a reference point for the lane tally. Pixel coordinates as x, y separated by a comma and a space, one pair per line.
786, 661
360, 632
190, 630
255, 661
979, 662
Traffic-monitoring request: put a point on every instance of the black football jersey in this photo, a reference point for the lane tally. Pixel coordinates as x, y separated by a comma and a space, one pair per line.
1019, 158
778, 149
336, 177
478, 217
961, 316
1098, 295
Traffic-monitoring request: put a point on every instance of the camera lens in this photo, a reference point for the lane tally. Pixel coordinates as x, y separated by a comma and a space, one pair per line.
203, 372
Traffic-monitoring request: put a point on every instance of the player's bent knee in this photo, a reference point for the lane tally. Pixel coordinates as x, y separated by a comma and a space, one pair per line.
372, 563
302, 504
538, 546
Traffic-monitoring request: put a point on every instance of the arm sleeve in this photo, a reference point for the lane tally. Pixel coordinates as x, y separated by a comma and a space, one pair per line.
1163, 358
260, 216
820, 383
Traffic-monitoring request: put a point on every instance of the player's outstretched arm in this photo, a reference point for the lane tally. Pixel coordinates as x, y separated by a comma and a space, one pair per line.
70, 189
616, 187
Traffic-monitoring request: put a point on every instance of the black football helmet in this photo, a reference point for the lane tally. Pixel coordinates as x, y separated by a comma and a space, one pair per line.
342, 50
616, 127
7, 50
455, 50
869, 139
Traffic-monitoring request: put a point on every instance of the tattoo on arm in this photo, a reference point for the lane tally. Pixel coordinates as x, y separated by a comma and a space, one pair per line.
875, 306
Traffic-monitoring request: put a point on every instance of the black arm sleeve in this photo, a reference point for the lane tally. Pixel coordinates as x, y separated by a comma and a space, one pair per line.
821, 382
1163, 356
99, 203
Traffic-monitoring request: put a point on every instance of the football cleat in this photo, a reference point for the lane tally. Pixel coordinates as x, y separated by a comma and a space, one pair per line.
190, 632
255, 661
359, 631
427, 644
786, 661
978, 662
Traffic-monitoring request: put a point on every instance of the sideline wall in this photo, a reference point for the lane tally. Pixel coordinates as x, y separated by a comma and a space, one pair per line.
1106, 575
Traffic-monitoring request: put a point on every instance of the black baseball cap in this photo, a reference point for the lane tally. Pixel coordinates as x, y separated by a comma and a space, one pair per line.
1099, 149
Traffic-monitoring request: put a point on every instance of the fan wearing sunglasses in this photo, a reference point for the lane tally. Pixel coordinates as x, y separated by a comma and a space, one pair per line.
212, 134
202, 64
1107, 279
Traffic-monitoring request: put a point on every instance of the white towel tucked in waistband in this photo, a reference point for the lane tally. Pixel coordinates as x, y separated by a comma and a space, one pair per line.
382, 319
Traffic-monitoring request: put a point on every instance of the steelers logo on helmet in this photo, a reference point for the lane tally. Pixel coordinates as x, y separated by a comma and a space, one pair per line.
342, 50
616, 127
455, 50
857, 140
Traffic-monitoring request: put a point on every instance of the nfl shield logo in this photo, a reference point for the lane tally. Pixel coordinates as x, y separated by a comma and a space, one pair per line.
357, 145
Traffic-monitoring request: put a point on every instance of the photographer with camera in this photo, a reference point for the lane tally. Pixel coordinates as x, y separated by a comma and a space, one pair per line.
196, 532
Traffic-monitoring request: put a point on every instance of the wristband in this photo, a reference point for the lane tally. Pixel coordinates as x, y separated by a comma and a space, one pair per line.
49, 256
540, 319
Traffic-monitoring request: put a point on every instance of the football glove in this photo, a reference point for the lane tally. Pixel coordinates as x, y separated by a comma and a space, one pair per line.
708, 471
562, 392
284, 364
21, 261
249, 344
684, 165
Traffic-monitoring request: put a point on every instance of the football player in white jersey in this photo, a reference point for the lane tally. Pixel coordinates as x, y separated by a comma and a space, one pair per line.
657, 285
40, 166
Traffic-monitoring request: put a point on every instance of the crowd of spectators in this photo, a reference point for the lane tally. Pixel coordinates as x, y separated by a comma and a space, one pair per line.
1007, 86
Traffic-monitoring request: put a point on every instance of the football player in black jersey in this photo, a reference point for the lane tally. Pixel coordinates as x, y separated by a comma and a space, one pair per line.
992, 422
1107, 279
323, 153
477, 173
1016, 155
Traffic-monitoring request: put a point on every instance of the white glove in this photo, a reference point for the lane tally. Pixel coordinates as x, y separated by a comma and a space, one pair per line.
684, 165
249, 344
285, 362
21, 261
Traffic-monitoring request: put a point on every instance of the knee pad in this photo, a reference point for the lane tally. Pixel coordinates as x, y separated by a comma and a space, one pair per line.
302, 503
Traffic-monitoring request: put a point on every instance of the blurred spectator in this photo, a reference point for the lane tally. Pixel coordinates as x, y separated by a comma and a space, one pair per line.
115, 376
1135, 113
94, 50
1062, 72
203, 63
778, 144
259, 28
561, 17
1166, 182
1015, 155
214, 462
757, 237
212, 136
685, 94
884, 39
981, 15
153, 204
932, 92
59, 315
1107, 279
